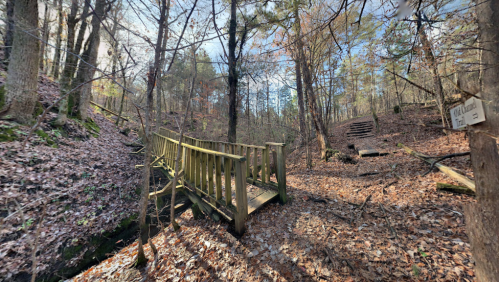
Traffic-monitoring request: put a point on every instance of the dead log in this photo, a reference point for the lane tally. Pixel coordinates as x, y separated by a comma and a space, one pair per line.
454, 189
107, 110
445, 169
441, 158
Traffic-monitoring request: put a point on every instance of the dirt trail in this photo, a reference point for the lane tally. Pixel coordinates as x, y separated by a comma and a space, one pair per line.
407, 231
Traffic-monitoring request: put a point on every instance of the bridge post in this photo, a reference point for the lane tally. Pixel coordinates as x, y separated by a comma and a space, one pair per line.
281, 173
241, 197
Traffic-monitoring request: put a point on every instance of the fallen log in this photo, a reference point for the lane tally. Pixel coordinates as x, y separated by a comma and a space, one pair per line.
445, 169
454, 189
107, 110
441, 158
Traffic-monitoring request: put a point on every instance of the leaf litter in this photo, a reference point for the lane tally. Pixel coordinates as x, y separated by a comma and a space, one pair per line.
319, 235
87, 184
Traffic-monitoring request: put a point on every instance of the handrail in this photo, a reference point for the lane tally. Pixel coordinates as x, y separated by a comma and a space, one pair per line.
216, 153
253, 156
202, 171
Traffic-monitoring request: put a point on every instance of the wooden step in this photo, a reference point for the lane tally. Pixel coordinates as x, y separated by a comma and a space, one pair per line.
261, 200
359, 134
366, 136
368, 153
358, 131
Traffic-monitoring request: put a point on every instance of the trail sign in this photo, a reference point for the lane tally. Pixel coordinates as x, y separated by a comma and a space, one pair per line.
471, 112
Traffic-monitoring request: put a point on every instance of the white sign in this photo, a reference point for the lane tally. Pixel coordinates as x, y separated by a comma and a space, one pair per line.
471, 112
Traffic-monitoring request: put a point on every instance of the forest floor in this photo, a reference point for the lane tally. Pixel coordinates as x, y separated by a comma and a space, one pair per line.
81, 179
313, 238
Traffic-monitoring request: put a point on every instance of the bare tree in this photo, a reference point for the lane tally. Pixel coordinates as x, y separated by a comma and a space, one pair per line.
482, 217
22, 77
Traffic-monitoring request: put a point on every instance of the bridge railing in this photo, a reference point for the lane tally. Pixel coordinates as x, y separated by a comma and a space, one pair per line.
202, 171
257, 156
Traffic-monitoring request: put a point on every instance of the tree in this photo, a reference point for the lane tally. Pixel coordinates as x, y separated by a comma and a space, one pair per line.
57, 54
86, 69
309, 90
482, 217
9, 31
71, 60
232, 73
22, 77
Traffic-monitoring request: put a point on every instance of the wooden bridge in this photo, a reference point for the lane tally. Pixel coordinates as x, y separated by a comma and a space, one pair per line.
203, 163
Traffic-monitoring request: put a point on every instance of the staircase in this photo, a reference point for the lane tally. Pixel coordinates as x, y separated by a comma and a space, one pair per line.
361, 133
361, 130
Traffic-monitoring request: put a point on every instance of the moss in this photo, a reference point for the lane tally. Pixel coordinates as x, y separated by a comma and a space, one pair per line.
38, 109
127, 221
2, 96
138, 191
92, 127
8, 133
42, 134
71, 252
331, 153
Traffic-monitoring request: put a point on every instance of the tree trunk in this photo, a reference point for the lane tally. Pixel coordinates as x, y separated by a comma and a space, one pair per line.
232, 74
437, 82
22, 76
45, 35
159, 87
57, 54
397, 91
9, 29
299, 94
482, 217
312, 103
86, 70
71, 60
151, 82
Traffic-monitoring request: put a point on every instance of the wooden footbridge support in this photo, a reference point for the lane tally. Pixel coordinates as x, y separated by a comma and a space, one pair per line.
203, 163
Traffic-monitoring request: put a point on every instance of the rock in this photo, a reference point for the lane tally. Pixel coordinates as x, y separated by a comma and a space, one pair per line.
253, 253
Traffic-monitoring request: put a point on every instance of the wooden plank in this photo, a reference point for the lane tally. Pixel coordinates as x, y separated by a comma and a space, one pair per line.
275, 144
218, 177
261, 200
241, 198
248, 154
198, 169
210, 174
368, 153
267, 157
203, 172
255, 164
255, 193
197, 148
192, 165
227, 178
184, 163
281, 171
268, 185
264, 166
